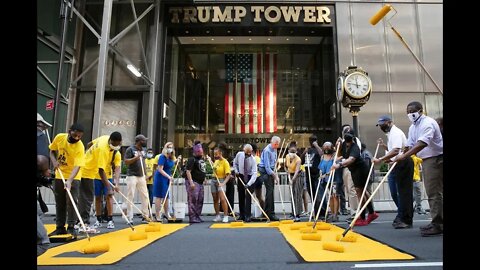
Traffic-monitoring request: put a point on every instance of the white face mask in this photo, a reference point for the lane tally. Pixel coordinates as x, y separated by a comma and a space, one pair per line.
149, 155
413, 116
116, 148
169, 150
292, 155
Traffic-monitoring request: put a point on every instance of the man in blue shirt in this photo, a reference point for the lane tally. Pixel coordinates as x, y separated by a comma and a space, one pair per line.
268, 174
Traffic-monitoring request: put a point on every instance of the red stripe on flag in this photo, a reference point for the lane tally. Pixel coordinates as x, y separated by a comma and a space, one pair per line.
234, 108
242, 108
267, 94
226, 114
259, 94
250, 102
274, 92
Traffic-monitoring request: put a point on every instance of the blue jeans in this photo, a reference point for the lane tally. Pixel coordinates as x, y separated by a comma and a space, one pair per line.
394, 191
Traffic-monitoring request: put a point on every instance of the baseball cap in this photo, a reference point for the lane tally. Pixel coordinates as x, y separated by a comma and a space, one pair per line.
40, 119
383, 119
140, 137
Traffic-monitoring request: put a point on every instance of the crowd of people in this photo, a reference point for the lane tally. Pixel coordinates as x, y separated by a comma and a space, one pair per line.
335, 178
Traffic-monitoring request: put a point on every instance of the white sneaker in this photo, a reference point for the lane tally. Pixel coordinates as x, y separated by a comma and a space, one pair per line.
217, 218
97, 224
110, 225
225, 219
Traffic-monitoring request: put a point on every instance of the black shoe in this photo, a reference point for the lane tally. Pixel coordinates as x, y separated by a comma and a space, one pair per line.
402, 225
58, 231
71, 230
274, 218
240, 218
396, 221
426, 227
248, 219
432, 231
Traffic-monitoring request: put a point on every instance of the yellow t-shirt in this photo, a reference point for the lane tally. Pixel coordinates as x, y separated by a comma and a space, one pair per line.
149, 162
69, 156
257, 160
416, 167
221, 168
99, 155
117, 161
291, 164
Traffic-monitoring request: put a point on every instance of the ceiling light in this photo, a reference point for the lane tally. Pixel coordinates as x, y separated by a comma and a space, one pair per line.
249, 31
306, 39
134, 70
228, 31
231, 39
213, 39
208, 31
193, 39
268, 38
186, 31
288, 39
250, 39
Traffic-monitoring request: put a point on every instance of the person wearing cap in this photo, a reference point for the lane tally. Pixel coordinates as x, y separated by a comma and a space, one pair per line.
67, 156
134, 159
42, 139
101, 153
426, 141
400, 180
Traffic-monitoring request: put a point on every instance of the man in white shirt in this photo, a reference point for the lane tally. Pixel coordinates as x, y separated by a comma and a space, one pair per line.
400, 180
246, 169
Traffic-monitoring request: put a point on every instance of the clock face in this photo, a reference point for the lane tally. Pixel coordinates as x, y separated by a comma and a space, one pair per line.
357, 85
340, 84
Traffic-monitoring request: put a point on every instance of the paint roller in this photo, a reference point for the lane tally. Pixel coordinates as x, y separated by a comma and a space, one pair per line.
352, 237
333, 247
148, 197
135, 235
153, 227
274, 223
281, 152
297, 226
254, 199
221, 188
308, 230
130, 202
378, 16
368, 177
352, 224
91, 247
313, 237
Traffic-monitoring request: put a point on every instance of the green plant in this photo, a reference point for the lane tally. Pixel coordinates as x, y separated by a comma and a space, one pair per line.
384, 167
124, 168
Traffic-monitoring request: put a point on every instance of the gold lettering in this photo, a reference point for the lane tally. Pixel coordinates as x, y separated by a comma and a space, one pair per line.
189, 15
225, 16
309, 15
323, 13
277, 16
240, 12
257, 10
288, 14
175, 11
204, 17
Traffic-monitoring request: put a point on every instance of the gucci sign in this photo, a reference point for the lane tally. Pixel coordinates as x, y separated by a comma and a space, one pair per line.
128, 123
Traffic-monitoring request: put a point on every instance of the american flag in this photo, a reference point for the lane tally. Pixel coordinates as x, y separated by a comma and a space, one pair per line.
245, 98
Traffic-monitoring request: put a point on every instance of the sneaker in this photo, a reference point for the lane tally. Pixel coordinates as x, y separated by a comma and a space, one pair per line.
144, 221
361, 222
396, 221
225, 219
71, 230
432, 231
217, 218
97, 224
426, 227
371, 217
58, 231
110, 225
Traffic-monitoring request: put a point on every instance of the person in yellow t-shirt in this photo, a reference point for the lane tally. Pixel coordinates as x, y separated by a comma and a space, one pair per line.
221, 168
150, 166
258, 185
417, 185
67, 156
293, 164
98, 160
101, 190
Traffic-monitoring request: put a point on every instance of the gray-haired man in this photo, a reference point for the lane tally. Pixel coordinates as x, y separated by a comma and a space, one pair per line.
246, 169
268, 175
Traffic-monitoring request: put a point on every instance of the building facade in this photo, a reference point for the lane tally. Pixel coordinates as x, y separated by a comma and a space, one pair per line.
241, 71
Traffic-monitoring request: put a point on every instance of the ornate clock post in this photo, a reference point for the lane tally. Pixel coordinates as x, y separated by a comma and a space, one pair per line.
353, 91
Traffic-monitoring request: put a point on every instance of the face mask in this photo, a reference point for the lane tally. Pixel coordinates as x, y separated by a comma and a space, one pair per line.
216, 157
144, 144
115, 148
248, 155
385, 128
292, 155
413, 116
348, 138
149, 155
169, 150
328, 151
70, 139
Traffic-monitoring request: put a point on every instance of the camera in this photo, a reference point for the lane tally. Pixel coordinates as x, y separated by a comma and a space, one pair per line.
44, 181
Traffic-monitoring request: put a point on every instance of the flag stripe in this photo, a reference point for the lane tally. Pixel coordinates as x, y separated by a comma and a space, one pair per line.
259, 94
267, 94
274, 82
242, 108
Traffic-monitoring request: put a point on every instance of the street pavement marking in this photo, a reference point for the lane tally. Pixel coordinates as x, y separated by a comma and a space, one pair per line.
383, 265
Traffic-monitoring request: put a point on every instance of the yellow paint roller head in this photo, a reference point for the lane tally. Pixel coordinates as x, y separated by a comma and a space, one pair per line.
308, 230
92, 248
323, 226
286, 221
236, 224
380, 14
348, 238
138, 236
309, 223
156, 228
274, 223
333, 247
313, 236
297, 226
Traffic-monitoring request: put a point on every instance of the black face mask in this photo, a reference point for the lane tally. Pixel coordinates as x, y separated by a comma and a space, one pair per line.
348, 137
144, 144
70, 139
328, 151
385, 128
